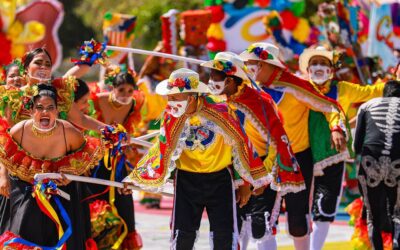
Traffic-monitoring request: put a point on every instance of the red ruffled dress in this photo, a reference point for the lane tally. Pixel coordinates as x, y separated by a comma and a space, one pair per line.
27, 220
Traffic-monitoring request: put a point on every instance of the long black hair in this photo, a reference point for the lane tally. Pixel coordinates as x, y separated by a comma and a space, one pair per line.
81, 90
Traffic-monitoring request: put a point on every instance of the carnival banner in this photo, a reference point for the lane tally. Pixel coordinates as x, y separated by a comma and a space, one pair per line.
381, 37
242, 27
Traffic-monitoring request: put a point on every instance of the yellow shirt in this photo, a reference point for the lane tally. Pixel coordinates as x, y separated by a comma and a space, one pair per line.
260, 145
209, 152
295, 121
349, 93
154, 104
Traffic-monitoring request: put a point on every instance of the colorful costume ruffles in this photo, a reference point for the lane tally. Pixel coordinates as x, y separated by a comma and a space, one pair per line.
35, 213
153, 170
24, 166
17, 101
304, 91
257, 108
345, 93
319, 129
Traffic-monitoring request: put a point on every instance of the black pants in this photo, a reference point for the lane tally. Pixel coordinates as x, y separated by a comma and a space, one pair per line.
327, 190
257, 209
381, 201
193, 193
298, 204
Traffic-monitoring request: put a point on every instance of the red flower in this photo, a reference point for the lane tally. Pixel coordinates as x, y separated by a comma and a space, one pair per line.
264, 55
179, 82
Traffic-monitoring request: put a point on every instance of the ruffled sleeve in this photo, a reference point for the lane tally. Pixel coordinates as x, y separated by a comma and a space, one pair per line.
23, 165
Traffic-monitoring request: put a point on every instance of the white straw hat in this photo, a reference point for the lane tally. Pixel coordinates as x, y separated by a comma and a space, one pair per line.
182, 81
229, 63
307, 54
265, 52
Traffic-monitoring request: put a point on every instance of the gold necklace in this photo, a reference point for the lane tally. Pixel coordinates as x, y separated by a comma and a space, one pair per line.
41, 134
112, 104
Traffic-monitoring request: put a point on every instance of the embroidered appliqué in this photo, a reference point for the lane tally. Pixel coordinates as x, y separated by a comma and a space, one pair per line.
199, 137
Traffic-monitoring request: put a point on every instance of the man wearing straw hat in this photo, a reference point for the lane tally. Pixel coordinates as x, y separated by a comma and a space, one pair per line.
202, 140
329, 169
262, 124
294, 97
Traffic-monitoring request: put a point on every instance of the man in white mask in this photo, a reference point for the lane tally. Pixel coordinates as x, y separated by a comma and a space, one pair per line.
204, 142
294, 98
329, 170
261, 121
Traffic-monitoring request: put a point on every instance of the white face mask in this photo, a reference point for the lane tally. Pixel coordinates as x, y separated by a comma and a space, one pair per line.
42, 75
253, 71
177, 108
320, 74
216, 88
121, 100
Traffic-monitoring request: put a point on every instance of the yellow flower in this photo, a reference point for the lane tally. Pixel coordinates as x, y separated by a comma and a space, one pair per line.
218, 65
194, 83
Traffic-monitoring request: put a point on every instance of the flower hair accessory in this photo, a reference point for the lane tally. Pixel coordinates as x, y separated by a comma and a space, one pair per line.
91, 52
260, 52
226, 67
112, 73
183, 83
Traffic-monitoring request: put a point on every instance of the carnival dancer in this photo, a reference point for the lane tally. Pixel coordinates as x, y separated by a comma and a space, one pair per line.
37, 69
44, 144
295, 97
120, 106
201, 139
260, 118
377, 141
328, 162
13, 80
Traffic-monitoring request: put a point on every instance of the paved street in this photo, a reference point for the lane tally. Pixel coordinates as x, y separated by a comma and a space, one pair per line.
153, 225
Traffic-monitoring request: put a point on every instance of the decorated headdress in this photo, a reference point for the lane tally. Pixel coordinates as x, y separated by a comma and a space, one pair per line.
182, 81
229, 63
265, 52
111, 74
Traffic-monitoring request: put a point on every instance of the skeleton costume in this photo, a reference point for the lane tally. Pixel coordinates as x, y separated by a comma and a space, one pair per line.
377, 141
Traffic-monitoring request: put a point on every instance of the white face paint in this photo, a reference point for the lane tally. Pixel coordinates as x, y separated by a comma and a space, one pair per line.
320, 73
216, 88
253, 71
177, 108
42, 75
